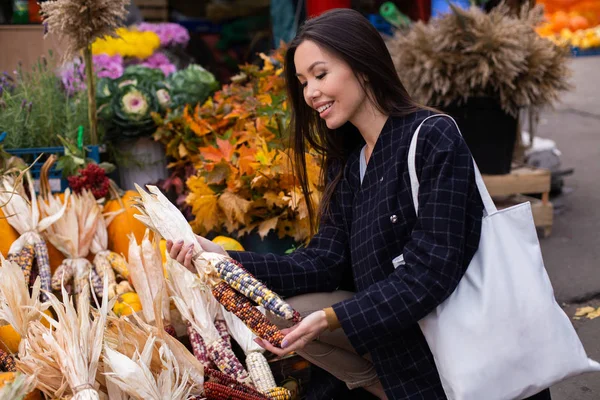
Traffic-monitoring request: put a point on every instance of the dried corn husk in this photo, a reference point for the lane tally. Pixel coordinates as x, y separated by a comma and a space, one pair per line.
72, 345
18, 388
199, 308
134, 375
73, 234
99, 248
17, 307
161, 216
23, 214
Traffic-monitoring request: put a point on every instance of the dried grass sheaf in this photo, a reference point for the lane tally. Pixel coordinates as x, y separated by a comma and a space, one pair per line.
80, 22
468, 53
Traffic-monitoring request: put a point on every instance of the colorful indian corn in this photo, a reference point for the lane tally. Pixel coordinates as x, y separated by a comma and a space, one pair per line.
239, 305
218, 377
24, 259
216, 391
7, 362
118, 264
242, 281
43, 263
64, 273
198, 347
223, 356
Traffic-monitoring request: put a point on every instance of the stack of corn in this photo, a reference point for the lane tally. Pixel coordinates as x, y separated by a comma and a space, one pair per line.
17, 307
164, 218
66, 355
257, 364
146, 275
105, 261
23, 214
72, 235
199, 308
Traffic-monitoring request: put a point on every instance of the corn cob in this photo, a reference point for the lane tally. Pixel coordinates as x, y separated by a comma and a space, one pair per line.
221, 326
7, 362
216, 391
198, 347
171, 330
250, 315
242, 281
118, 264
278, 393
102, 266
24, 259
260, 371
223, 356
43, 264
216, 376
63, 273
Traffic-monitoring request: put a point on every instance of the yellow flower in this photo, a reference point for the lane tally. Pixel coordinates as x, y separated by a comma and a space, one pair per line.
129, 43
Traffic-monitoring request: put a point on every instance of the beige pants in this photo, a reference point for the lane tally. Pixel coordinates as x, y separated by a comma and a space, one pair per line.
332, 351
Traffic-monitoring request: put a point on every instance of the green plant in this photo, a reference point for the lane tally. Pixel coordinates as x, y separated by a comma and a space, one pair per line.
34, 109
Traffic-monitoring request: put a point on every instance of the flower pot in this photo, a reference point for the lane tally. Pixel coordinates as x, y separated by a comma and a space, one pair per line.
144, 162
489, 132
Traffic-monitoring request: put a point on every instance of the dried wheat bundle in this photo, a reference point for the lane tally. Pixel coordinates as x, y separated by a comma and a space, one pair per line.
80, 22
470, 53
17, 307
105, 261
73, 235
199, 308
147, 276
135, 376
23, 214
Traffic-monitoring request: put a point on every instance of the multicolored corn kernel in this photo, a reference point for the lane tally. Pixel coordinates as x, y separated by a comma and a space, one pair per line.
278, 393
239, 305
64, 273
217, 391
260, 371
221, 326
102, 268
242, 281
224, 358
43, 264
7, 362
118, 264
170, 329
198, 347
24, 259
216, 376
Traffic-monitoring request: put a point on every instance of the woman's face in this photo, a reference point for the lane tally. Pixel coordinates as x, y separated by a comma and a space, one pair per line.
330, 87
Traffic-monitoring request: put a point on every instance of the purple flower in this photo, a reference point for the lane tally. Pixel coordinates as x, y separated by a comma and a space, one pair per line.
72, 76
160, 61
170, 34
106, 66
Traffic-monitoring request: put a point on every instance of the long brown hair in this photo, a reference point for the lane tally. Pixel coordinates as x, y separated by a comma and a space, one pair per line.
352, 38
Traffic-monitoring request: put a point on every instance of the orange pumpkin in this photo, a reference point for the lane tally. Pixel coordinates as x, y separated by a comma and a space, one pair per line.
10, 339
8, 234
7, 377
123, 224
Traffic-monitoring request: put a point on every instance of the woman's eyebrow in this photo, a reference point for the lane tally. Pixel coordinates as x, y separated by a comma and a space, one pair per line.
312, 66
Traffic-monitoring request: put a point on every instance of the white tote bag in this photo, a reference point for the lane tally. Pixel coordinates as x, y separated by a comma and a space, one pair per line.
501, 335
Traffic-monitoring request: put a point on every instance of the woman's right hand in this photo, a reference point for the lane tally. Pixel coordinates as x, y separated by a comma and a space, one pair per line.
184, 252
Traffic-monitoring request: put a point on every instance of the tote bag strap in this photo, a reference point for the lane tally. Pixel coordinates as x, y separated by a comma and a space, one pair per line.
488, 203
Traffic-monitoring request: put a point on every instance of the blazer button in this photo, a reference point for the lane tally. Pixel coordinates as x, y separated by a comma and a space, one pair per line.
394, 219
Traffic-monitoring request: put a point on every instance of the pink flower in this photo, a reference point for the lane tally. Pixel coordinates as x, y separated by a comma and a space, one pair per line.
160, 61
170, 34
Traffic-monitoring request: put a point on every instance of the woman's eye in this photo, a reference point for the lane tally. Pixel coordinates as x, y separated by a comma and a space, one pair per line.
319, 77
303, 84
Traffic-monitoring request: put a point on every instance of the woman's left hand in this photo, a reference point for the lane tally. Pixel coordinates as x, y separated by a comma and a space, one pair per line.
299, 335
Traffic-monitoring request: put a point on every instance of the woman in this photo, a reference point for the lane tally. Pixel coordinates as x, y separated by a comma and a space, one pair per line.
348, 103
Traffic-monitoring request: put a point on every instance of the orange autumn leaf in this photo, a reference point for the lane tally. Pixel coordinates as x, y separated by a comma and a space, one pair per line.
266, 226
204, 204
247, 160
275, 199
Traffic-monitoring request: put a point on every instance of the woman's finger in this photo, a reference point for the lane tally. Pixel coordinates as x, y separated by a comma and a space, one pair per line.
174, 252
183, 253
169, 246
187, 262
269, 347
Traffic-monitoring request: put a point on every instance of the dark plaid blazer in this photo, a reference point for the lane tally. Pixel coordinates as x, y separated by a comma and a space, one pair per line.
371, 224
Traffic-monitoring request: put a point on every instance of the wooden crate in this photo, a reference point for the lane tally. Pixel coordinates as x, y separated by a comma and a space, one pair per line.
153, 10
511, 189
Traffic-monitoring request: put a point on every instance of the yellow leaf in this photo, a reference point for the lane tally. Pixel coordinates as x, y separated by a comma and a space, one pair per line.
593, 314
234, 207
265, 99
275, 200
265, 227
182, 150
583, 311
204, 204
